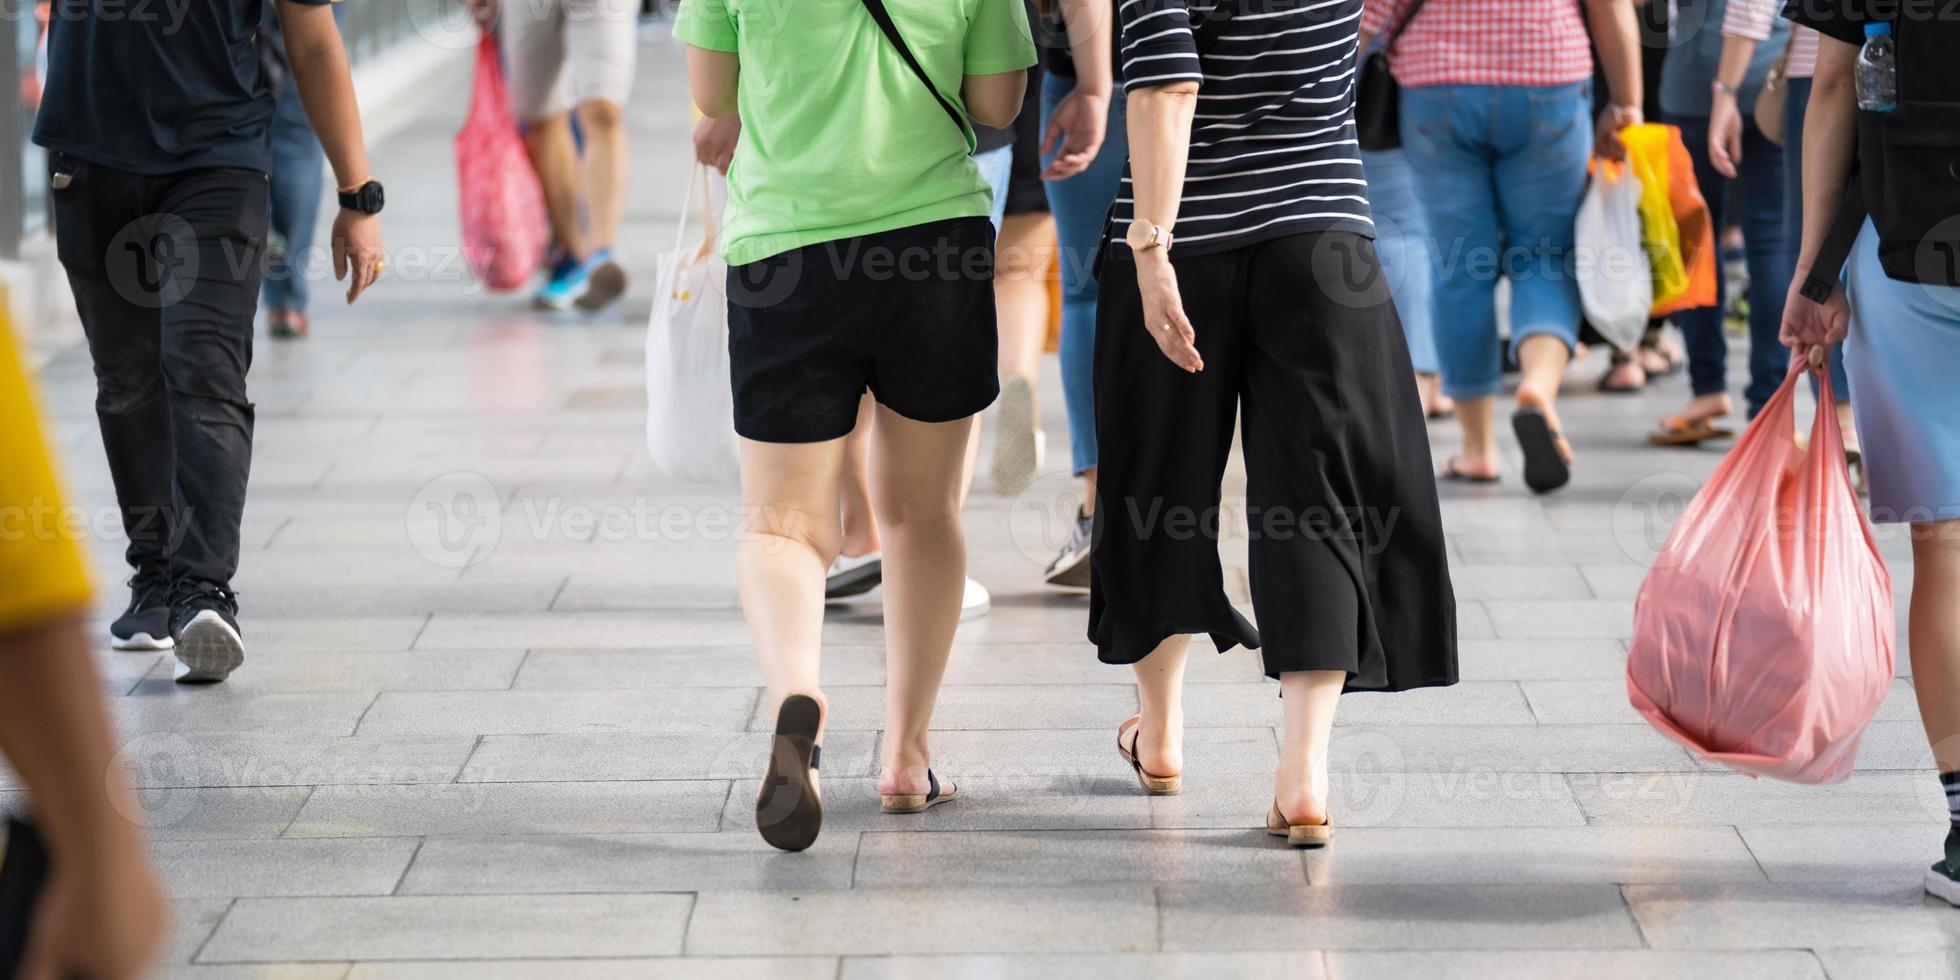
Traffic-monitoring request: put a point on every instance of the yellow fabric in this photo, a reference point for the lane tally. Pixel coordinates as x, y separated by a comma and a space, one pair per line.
42, 571
1647, 151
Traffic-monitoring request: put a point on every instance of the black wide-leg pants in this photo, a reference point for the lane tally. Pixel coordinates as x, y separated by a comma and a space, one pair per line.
1303, 347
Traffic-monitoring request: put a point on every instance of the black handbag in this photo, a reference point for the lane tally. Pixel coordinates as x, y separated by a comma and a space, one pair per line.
884, 19
1377, 99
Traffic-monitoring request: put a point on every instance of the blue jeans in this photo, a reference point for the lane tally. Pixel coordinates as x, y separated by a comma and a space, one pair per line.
1402, 241
1081, 207
1761, 173
996, 166
297, 182
1503, 169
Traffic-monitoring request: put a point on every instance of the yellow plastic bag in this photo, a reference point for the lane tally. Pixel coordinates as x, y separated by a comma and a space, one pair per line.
1647, 146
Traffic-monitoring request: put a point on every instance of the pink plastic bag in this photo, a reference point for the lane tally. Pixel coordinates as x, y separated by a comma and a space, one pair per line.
505, 232
1762, 638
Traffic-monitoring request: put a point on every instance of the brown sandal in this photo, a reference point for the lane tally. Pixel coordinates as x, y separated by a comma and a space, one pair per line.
1678, 431
1153, 784
1298, 834
917, 803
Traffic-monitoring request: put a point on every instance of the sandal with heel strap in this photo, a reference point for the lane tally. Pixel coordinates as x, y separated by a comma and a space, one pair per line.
1298, 834
1152, 783
916, 803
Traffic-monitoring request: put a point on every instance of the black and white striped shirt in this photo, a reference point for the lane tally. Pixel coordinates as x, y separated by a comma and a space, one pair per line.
1272, 147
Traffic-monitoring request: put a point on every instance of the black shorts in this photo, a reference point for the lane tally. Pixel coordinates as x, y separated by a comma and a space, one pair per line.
907, 314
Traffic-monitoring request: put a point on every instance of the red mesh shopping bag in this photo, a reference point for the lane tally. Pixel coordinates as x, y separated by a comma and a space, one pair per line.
504, 228
1763, 636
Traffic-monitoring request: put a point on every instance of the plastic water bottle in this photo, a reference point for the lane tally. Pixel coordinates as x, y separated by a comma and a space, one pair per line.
1878, 69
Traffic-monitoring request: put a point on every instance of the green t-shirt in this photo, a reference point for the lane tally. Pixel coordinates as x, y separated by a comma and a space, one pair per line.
839, 137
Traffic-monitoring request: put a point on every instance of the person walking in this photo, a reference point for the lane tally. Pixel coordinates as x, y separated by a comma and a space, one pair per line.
847, 274
1495, 95
297, 180
1403, 241
157, 160
1084, 145
1705, 77
1240, 284
566, 58
1897, 313
102, 913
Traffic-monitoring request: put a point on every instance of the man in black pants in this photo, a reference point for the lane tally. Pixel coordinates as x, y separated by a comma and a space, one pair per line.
155, 120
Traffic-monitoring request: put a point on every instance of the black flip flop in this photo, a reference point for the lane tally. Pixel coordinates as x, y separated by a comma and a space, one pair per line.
789, 813
1544, 469
23, 875
1456, 474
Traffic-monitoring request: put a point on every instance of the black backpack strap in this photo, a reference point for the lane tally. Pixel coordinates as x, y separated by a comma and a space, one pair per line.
1831, 255
884, 19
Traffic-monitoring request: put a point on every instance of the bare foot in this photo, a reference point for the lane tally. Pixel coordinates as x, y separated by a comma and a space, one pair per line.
1530, 397
1705, 408
1303, 799
1626, 375
1468, 467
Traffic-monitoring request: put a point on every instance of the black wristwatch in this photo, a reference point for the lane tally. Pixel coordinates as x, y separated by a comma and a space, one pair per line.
366, 199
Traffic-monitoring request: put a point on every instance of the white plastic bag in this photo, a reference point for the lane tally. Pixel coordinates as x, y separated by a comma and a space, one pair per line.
690, 409
1615, 281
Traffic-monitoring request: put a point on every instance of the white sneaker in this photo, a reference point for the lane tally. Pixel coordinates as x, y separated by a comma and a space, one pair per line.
1019, 443
977, 601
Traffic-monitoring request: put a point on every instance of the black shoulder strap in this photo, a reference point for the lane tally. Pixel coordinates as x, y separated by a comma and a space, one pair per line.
884, 19
1836, 249
1403, 25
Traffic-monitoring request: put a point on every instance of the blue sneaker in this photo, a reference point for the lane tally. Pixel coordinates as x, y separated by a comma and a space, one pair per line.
608, 281
569, 282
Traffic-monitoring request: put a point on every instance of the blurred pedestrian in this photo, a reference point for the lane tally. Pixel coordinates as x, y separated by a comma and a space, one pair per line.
298, 179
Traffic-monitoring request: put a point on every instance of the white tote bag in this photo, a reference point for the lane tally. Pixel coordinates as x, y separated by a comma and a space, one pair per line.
690, 409
1616, 284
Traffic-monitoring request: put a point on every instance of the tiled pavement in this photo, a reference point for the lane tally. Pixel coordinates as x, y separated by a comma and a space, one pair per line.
542, 757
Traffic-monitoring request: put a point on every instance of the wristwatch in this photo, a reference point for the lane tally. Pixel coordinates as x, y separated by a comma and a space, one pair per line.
366, 199
1144, 236
1724, 88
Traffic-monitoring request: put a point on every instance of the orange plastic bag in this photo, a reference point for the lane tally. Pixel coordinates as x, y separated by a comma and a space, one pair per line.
1763, 636
1659, 155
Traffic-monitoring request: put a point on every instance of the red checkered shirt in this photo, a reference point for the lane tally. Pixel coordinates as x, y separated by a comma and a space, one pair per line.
1485, 42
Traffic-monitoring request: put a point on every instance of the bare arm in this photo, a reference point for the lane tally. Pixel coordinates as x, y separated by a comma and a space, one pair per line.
1616, 34
1081, 120
1830, 140
326, 88
711, 80
1160, 147
994, 100
1725, 114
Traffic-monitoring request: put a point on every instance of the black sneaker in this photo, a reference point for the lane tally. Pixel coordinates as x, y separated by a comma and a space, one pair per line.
204, 620
145, 625
1070, 569
1941, 881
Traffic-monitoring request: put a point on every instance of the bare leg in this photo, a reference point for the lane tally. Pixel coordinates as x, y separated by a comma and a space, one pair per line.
1543, 358
790, 537
1935, 631
1025, 262
555, 156
860, 526
1088, 493
1160, 707
1477, 417
606, 154
1310, 698
917, 471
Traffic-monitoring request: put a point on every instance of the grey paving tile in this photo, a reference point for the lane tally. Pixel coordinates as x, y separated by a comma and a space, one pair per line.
258, 971
1782, 916
206, 710
1372, 798
170, 760
1212, 917
1613, 580
1068, 966
1090, 753
607, 630
269, 636
1533, 855
718, 666
192, 922
1553, 619
511, 808
1730, 798
286, 597
1872, 854
1003, 706
1535, 660
1076, 663
1473, 621
593, 593
558, 712
672, 968
1615, 964
1602, 702
449, 927
203, 814
1066, 802
1119, 918
1507, 748
1469, 703
1000, 859
1889, 964
579, 758
363, 673
241, 868
1896, 745
1523, 581
625, 863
